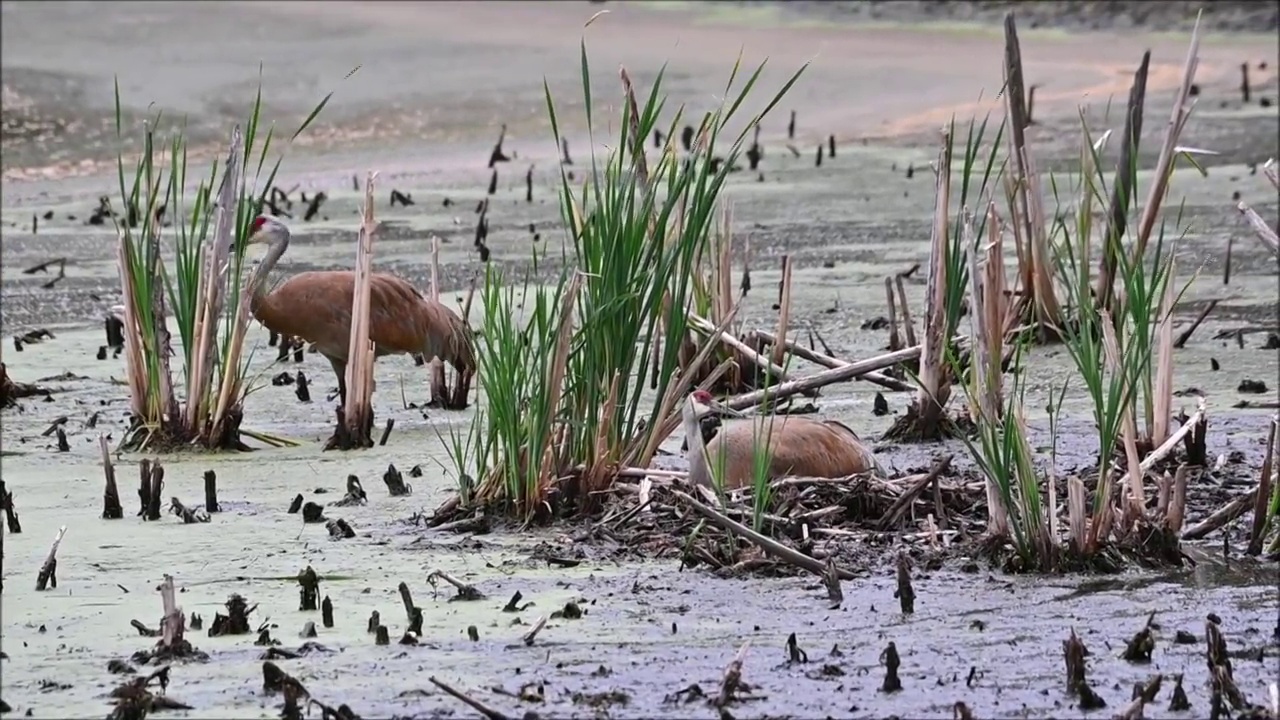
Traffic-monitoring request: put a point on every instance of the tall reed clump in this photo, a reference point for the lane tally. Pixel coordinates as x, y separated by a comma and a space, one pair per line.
203, 290
564, 378
1115, 334
1120, 337
926, 418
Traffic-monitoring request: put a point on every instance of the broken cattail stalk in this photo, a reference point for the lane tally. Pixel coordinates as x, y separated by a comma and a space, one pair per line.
908, 327
733, 671
905, 593
895, 340
358, 415
439, 388
1262, 502
211, 492
1163, 401
1264, 232
1227, 513
172, 625
784, 310
111, 509
48, 576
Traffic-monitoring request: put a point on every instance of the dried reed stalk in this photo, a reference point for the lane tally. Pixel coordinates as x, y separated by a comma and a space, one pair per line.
439, 387
895, 341
1182, 108
1027, 206
211, 292
559, 363
1262, 501
935, 388
784, 314
1129, 430
908, 327
357, 415
987, 298
1163, 401
1123, 188
1264, 232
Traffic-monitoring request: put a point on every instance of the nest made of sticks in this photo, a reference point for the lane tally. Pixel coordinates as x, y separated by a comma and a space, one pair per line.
820, 517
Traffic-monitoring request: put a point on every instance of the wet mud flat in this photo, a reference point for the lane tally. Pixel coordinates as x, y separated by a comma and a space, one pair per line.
649, 632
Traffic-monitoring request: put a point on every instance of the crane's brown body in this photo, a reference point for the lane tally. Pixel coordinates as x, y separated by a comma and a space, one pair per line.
316, 306
798, 447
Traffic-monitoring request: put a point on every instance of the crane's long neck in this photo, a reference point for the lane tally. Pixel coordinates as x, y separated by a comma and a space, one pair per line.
699, 471
258, 281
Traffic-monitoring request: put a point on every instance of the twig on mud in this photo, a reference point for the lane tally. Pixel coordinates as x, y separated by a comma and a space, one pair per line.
1223, 516
770, 546
476, 705
733, 677
908, 496
530, 636
465, 591
48, 576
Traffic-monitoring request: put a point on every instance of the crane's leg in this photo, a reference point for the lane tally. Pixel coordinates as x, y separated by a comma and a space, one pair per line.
340, 369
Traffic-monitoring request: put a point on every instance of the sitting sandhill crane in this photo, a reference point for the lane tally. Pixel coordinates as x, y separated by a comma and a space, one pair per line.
316, 306
798, 446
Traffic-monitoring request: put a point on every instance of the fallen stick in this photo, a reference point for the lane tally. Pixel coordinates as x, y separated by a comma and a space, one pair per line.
476, 705
530, 636
1224, 515
770, 546
908, 496
1264, 232
1185, 335
829, 377
1169, 444
706, 328
49, 570
827, 361
465, 591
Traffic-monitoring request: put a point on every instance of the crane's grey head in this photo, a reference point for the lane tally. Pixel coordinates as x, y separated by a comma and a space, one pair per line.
703, 404
267, 230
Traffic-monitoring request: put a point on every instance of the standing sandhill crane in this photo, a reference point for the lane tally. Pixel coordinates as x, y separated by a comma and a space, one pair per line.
798, 446
316, 306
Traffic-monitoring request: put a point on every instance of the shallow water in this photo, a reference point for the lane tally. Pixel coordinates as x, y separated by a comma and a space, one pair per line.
652, 629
